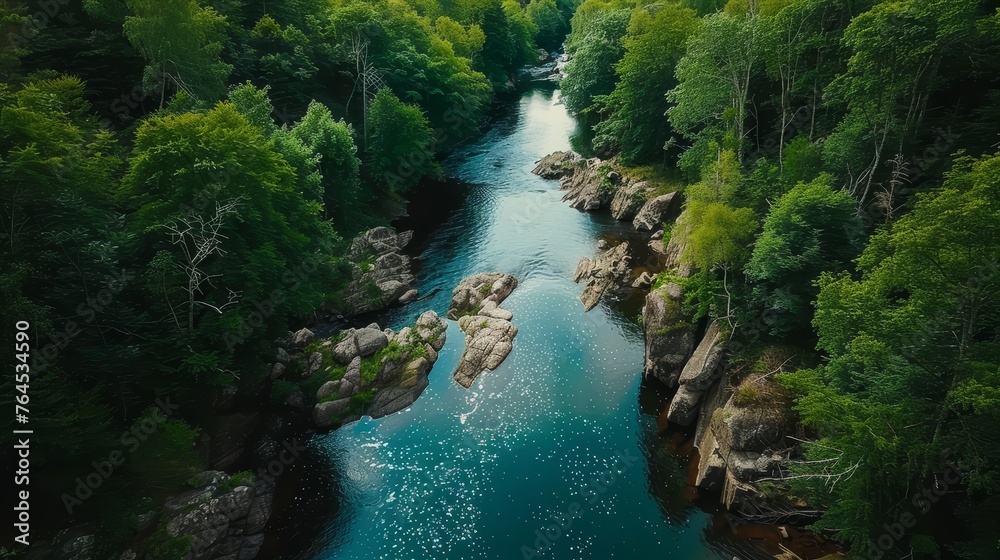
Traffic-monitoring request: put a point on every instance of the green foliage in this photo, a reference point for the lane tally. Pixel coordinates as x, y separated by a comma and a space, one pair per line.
166, 458
810, 230
636, 124
549, 21
717, 235
907, 353
281, 390
591, 72
361, 401
182, 42
402, 143
242, 478
371, 367
714, 76
161, 546
337, 164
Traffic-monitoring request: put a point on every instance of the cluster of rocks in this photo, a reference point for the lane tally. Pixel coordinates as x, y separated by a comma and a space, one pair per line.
742, 435
548, 68
225, 518
672, 249
592, 185
380, 274
607, 273
741, 425
489, 334
583, 179
399, 374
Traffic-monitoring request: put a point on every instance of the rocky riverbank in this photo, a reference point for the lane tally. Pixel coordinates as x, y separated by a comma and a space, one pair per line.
745, 428
381, 274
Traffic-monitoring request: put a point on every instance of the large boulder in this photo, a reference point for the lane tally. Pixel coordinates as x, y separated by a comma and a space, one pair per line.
759, 417
664, 208
223, 517
400, 375
670, 334
359, 343
588, 188
325, 414
489, 334
302, 337
557, 165
429, 329
628, 200
377, 242
701, 371
488, 341
607, 273
474, 291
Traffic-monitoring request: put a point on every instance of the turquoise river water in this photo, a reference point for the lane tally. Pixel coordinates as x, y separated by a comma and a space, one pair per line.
550, 455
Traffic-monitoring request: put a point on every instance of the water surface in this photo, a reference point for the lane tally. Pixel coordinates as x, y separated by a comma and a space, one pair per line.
548, 454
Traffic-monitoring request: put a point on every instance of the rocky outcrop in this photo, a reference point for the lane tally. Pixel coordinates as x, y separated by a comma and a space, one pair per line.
385, 370
670, 334
745, 436
671, 248
608, 273
587, 183
628, 200
557, 165
701, 371
742, 435
664, 208
489, 334
380, 273
479, 291
488, 341
224, 516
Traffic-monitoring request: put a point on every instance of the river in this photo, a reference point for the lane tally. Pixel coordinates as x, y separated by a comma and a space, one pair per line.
550, 455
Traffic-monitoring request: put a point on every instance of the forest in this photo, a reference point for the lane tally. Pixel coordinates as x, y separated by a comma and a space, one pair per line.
168, 165
839, 161
178, 181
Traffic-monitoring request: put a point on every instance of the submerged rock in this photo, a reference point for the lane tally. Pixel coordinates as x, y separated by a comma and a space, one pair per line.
607, 272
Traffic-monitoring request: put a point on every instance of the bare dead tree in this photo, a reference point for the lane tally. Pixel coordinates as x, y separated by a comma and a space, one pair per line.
366, 77
198, 238
830, 470
885, 200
